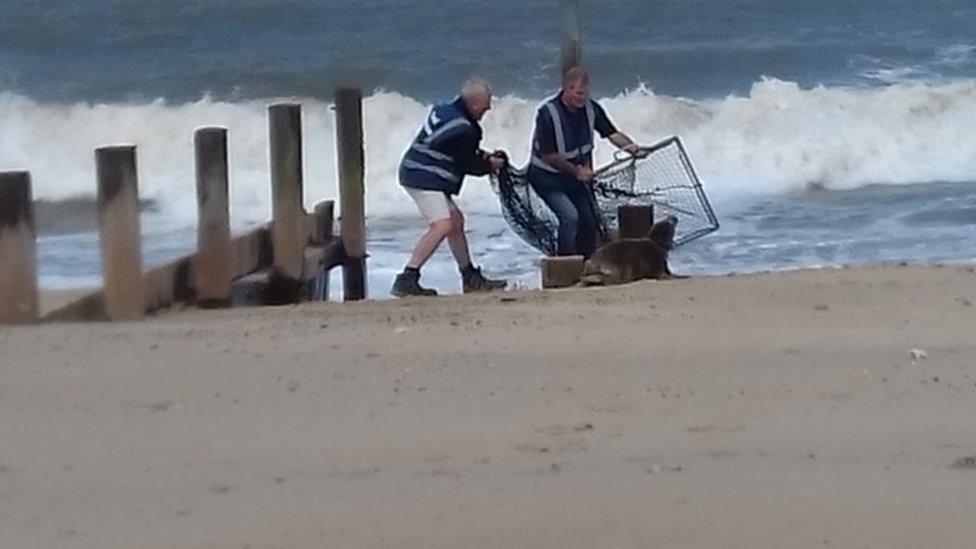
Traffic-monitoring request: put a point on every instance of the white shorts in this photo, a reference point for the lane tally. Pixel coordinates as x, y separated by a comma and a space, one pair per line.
433, 205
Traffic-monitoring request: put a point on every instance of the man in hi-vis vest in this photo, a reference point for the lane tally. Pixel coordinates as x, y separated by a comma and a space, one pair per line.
432, 171
561, 168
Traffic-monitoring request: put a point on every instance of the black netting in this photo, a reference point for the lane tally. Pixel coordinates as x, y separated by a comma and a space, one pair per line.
663, 178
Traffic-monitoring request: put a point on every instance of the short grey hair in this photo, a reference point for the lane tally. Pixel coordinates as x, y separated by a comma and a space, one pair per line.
475, 86
576, 75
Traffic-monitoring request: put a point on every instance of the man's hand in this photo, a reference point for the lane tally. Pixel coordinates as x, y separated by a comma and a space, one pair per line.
584, 173
636, 150
497, 159
497, 162
626, 144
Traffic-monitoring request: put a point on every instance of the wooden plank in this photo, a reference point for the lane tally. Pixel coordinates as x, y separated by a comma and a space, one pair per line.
321, 222
635, 221
319, 260
18, 254
252, 251
260, 287
89, 308
171, 282
561, 271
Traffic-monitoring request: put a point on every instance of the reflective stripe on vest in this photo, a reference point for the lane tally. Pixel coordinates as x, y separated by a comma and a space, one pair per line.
560, 131
438, 171
423, 156
433, 135
437, 155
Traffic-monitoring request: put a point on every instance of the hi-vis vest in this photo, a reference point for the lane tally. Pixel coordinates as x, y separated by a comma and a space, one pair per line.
425, 165
571, 146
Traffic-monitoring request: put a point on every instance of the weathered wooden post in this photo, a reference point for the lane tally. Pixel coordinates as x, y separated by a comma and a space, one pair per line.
349, 141
571, 53
287, 202
119, 233
635, 221
323, 219
324, 253
213, 262
18, 256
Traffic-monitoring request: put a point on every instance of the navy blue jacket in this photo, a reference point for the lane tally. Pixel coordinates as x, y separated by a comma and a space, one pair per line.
445, 150
559, 129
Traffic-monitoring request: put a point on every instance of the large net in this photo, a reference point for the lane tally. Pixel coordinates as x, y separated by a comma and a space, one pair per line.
661, 176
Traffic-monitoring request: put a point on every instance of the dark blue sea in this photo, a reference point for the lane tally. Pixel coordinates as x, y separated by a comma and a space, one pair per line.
826, 133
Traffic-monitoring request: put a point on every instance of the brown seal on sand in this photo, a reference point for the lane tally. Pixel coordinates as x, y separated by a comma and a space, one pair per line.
630, 259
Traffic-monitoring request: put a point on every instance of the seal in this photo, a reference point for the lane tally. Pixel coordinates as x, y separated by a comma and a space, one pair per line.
630, 259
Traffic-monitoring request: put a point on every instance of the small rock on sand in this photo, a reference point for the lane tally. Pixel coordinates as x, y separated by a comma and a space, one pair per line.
219, 489
917, 355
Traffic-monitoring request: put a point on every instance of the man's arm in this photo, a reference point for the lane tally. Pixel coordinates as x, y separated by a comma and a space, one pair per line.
607, 130
561, 164
463, 148
623, 142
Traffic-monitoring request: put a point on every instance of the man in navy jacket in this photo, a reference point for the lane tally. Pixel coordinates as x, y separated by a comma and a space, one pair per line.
561, 168
432, 171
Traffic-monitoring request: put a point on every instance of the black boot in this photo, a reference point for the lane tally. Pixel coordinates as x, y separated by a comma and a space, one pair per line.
408, 283
474, 281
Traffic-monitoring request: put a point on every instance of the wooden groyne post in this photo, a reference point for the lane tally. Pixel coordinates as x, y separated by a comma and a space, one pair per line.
284, 261
214, 260
287, 200
571, 52
119, 233
322, 220
349, 142
635, 221
18, 255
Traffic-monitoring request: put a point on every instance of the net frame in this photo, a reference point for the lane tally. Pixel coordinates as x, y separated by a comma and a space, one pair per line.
628, 179
610, 193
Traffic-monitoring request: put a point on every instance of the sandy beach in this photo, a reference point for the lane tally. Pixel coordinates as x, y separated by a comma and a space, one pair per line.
772, 410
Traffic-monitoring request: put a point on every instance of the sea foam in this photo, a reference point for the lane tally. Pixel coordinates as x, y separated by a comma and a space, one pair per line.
776, 139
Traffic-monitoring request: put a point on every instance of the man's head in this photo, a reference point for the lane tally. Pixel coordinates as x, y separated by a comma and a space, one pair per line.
576, 87
476, 93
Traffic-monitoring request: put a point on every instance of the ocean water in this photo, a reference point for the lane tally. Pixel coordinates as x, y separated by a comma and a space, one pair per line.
825, 133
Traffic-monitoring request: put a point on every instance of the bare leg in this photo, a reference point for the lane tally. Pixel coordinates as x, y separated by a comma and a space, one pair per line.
457, 240
429, 242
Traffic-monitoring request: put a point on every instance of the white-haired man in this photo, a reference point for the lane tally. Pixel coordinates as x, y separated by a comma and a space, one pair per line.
445, 150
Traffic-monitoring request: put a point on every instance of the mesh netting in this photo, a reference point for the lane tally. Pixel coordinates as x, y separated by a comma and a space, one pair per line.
663, 178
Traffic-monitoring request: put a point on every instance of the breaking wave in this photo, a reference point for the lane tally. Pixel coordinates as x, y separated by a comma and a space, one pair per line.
778, 138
